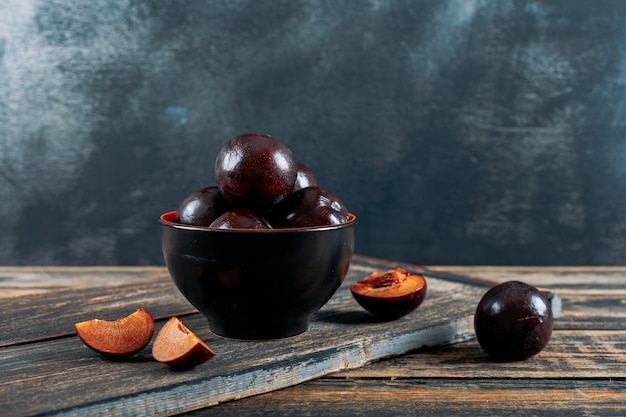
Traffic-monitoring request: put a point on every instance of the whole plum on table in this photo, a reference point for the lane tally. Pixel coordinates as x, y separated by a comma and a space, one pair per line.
513, 321
239, 218
201, 207
311, 206
255, 171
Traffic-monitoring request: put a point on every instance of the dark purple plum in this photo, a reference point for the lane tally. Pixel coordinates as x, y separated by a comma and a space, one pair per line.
304, 177
255, 171
201, 207
391, 294
320, 216
307, 204
239, 218
513, 321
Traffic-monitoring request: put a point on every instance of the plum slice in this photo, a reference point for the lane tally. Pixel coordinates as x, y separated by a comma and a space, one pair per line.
178, 346
122, 337
391, 294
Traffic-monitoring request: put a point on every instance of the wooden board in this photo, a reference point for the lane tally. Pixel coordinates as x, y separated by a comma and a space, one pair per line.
581, 372
434, 397
43, 359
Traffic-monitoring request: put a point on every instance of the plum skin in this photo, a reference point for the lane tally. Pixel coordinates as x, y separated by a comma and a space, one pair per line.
513, 321
304, 177
255, 171
239, 218
201, 207
307, 207
391, 308
261, 185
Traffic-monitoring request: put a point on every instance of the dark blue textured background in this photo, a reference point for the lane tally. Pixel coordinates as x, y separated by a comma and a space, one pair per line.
459, 132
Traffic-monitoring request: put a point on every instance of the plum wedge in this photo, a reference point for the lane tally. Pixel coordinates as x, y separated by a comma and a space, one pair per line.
176, 345
122, 337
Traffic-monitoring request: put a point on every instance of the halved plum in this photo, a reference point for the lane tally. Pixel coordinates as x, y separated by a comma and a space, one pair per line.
391, 294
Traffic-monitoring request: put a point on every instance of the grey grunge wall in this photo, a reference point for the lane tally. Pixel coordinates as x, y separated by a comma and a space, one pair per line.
459, 132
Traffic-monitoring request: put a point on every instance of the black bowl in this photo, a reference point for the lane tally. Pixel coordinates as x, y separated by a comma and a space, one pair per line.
257, 284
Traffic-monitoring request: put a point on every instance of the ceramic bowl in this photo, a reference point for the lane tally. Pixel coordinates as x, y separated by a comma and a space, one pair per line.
257, 284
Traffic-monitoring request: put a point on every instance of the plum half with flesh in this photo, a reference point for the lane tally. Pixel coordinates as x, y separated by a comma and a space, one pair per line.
255, 171
391, 294
513, 321
201, 207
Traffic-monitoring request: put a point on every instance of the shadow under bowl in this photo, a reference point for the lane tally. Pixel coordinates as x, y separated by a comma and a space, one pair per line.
257, 284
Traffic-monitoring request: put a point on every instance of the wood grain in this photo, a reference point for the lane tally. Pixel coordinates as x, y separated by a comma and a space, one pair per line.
55, 312
434, 397
16, 281
569, 355
342, 336
582, 371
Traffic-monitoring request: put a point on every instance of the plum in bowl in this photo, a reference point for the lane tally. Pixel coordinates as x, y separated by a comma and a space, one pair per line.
257, 284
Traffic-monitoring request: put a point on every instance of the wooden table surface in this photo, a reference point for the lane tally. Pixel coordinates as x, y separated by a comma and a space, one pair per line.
581, 372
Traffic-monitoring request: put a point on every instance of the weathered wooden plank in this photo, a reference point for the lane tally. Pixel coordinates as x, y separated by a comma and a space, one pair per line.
578, 374
593, 311
553, 298
151, 288
590, 297
66, 377
334, 397
35, 317
570, 354
17, 281
594, 279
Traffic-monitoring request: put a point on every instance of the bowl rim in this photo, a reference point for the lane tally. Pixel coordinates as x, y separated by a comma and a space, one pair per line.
163, 219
